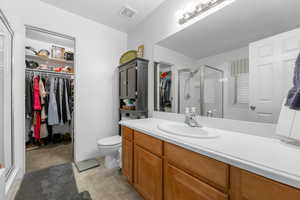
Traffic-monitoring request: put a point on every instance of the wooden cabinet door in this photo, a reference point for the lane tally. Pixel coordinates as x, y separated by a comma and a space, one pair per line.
131, 83
245, 185
179, 185
123, 84
147, 174
127, 159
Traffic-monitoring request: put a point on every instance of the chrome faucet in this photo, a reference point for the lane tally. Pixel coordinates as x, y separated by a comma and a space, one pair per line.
190, 117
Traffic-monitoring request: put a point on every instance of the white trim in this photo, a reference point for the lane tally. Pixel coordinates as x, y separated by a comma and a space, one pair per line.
11, 183
42, 30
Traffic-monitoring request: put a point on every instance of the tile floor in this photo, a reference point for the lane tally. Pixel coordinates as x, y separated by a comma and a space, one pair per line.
47, 156
105, 184
102, 183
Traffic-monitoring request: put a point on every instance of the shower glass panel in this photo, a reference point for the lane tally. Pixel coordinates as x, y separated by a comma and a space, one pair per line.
189, 90
201, 88
6, 117
212, 92
1, 99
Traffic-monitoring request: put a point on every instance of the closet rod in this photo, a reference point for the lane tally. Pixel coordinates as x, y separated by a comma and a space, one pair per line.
47, 72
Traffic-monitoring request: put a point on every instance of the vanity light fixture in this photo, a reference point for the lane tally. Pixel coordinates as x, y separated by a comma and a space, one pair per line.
202, 8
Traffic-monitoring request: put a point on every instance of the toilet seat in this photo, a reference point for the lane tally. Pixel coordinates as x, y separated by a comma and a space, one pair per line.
110, 142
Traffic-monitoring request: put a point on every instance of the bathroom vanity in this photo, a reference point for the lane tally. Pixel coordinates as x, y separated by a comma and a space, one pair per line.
164, 166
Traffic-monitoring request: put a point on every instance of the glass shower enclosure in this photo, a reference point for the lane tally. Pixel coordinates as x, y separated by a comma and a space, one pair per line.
201, 88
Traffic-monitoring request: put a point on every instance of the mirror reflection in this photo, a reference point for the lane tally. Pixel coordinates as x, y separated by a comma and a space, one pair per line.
228, 74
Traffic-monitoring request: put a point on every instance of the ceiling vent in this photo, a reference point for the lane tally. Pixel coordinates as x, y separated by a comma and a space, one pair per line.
127, 12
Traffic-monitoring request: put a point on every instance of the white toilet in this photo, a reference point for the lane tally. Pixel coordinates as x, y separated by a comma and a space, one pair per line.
109, 147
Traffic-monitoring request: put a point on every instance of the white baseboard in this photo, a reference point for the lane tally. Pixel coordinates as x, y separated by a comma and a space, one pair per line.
13, 183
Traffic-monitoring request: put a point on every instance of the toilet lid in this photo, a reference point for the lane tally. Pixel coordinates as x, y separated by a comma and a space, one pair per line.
109, 141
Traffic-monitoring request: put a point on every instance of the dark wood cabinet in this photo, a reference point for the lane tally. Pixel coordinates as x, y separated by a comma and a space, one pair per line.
123, 84
133, 85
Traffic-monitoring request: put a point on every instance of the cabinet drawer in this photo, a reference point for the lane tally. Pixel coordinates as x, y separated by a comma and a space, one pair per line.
208, 170
182, 186
249, 186
127, 133
150, 143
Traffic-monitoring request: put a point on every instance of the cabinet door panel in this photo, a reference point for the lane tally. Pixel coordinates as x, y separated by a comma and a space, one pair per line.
123, 84
147, 174
127, 159
181, 186
127, 133
248, 186
131, 80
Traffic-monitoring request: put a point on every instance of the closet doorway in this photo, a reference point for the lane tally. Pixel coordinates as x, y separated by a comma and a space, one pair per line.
49, 98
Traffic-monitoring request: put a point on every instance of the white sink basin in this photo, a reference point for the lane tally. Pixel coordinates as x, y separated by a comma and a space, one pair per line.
182, 129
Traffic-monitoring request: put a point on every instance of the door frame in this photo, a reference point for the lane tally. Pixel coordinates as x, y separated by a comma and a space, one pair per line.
6, 23
46, 31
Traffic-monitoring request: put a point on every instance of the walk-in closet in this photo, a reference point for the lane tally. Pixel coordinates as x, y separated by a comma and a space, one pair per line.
49, 98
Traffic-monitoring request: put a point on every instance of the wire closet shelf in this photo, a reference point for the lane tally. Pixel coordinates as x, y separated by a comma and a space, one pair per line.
50, 73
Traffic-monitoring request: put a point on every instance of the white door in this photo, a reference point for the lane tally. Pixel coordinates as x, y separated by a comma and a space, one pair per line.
272, 63
6, 154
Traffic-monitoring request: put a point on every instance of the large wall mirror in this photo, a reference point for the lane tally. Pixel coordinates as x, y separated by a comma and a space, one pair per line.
236, 63
6, 110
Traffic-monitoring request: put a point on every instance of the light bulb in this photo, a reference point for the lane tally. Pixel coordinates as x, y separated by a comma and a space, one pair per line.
179, 14
190, 7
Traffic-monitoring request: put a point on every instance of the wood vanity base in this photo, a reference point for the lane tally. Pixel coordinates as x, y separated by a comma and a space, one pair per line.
160, 170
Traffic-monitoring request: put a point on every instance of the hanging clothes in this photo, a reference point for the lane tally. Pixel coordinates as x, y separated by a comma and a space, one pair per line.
36, 95
165, 90
37, 107
43, 94
37, 126
48, 101
60, 88
53, 118
67, 114
42, 91
29, 112
71, 95
293, 98
68, 97
29, 97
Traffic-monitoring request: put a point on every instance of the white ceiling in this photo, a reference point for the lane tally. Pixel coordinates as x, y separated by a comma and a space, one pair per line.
235, 26
107, 11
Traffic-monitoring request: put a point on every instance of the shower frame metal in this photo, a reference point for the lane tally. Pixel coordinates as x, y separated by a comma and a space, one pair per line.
202, 73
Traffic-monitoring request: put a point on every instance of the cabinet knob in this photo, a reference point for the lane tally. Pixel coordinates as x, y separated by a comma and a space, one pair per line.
252, 107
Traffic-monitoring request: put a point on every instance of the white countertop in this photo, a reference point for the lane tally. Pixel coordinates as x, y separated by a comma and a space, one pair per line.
264, 156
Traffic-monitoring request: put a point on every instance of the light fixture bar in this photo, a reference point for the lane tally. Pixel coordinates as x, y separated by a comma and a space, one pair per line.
200, 9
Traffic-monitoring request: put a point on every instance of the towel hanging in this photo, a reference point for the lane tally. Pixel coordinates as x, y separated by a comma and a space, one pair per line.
293, 98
